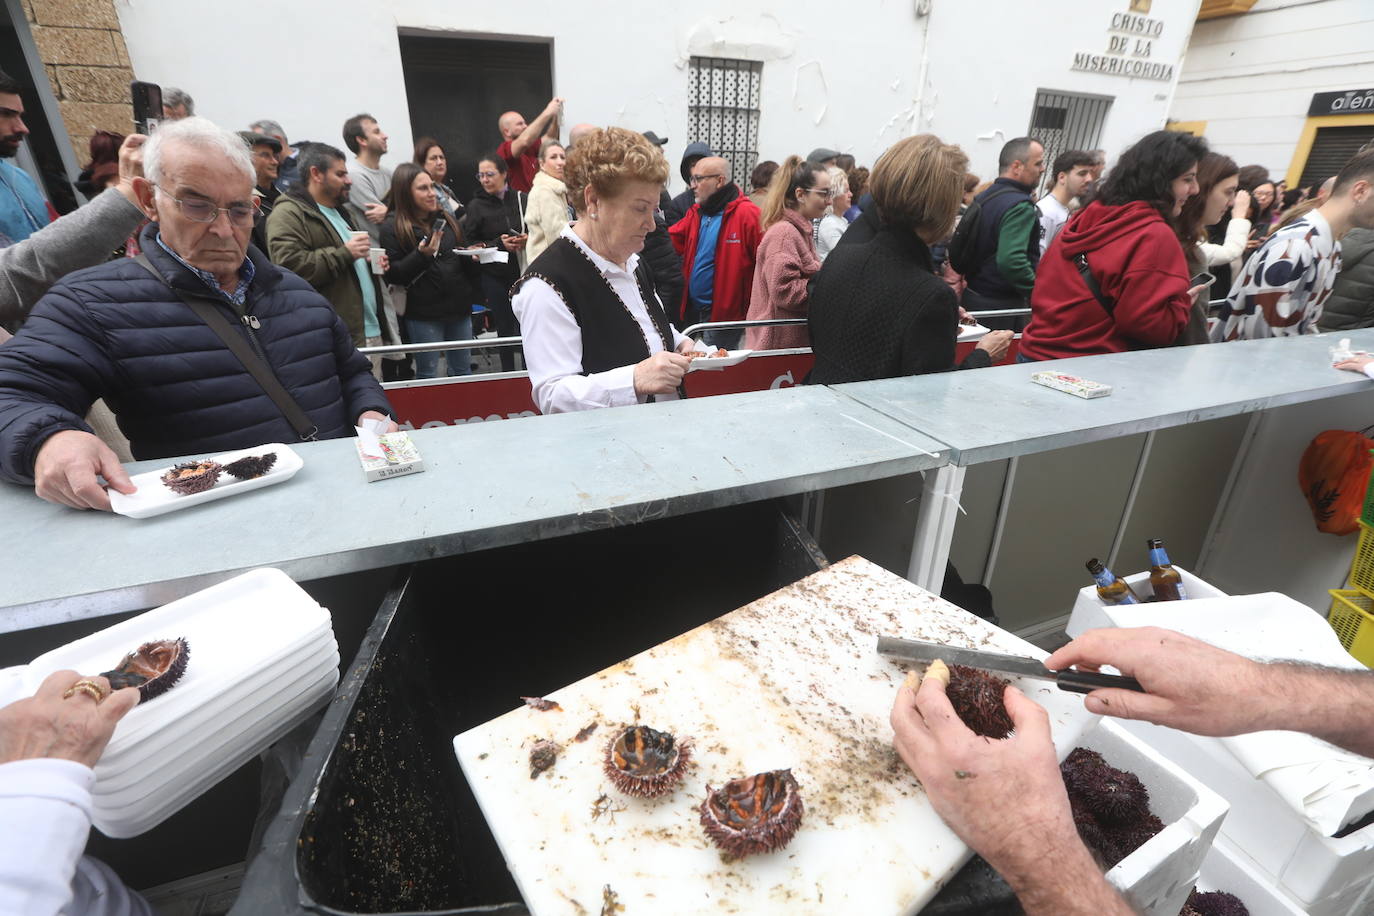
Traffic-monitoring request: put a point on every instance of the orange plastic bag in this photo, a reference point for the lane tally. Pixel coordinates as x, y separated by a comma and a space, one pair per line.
1333, 474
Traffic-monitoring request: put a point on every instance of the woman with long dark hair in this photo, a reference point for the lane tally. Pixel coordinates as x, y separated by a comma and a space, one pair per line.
430, 156
420, 237
1115, 277
1218, 180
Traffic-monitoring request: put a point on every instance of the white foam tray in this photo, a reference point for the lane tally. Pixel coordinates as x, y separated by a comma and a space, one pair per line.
1228, 869
178, 765
1329, 877
153, 498
708, 363
132, 822
1090, 612
262, 654
1157, 877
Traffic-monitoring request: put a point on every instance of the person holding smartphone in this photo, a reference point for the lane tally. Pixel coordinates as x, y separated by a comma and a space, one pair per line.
495, 218
420, 239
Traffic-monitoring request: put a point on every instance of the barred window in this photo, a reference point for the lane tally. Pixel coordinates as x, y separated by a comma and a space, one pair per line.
723, 111
1064, 121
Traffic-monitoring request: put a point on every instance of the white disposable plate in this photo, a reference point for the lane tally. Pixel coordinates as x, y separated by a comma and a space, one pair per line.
720, 362
972, 332
179, 767
129, 823
236, 626
259, 688
153, 497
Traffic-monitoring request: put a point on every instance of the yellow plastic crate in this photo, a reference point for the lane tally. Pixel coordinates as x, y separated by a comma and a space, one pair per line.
1352, 617
1362, 568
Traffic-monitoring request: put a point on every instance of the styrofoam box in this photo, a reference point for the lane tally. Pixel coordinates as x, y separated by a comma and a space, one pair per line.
1228, 869
1157, 877
1328, 877
1089, 611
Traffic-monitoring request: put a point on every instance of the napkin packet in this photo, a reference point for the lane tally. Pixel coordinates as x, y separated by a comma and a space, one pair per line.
1341, 351
1081, 387
386, 455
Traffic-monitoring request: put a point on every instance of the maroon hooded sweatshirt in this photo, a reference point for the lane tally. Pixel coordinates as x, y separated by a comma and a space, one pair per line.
1139, 266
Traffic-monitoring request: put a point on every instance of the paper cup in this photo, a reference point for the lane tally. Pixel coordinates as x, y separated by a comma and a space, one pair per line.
374, 257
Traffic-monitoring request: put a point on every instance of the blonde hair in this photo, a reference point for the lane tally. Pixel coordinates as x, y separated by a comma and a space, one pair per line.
608, 159
839, 181
547, 144
918, 185
795, 172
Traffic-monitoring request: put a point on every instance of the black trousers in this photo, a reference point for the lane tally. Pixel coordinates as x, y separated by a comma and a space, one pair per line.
497, 292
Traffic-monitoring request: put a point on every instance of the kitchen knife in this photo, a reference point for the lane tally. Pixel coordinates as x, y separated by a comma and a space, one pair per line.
1068, 679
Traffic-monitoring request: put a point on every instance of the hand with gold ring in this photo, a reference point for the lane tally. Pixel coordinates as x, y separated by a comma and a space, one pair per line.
70, 718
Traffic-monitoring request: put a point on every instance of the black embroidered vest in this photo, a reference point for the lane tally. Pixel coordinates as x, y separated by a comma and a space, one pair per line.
611, 337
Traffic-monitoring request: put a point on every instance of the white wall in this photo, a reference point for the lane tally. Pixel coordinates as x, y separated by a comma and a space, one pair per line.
1251, 77
840, 75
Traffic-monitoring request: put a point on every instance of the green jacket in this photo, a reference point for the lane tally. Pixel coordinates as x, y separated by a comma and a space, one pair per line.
1351, 303
301, 240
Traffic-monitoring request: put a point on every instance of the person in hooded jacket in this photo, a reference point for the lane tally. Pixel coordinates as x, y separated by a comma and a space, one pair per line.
677, 207
420, 236
1127, 244
495, 218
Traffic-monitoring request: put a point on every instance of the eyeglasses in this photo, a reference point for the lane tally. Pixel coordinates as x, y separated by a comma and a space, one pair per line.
698, 179
481, 175
828, 192
202, 211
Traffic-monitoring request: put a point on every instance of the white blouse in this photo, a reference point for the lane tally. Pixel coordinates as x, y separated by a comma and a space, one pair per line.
553, 341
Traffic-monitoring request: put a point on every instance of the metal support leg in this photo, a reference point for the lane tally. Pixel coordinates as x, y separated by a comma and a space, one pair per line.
935, 527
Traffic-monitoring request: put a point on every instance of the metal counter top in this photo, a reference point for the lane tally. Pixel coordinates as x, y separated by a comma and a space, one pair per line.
999, 413
484, 485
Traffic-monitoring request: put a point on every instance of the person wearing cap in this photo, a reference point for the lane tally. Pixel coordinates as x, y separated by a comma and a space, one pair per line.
677, 208
265, 151
823, 157
49, 744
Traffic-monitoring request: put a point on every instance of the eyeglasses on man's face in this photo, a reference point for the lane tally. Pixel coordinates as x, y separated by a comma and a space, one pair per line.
698, 179
202, 211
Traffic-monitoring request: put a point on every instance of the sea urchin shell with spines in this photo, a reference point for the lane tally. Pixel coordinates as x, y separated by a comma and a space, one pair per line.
645, 762
977, 697
250, 467
192, 477
153, 668
756, 814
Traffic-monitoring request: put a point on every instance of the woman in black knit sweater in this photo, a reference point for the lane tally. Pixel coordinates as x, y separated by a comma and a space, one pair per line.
877, 309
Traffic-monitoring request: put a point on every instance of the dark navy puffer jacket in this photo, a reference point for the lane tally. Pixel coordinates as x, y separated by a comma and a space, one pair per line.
114, 331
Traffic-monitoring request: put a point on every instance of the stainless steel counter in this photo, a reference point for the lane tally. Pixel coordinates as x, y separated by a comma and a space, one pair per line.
999, 413
485, 485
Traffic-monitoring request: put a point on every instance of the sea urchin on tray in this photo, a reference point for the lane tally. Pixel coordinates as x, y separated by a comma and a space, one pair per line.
153, 668
192, 477
645, 762
754, 815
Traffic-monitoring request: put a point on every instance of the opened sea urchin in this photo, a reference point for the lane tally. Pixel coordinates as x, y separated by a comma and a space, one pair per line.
250, 467
645, 762
756, 814
153, 668
191, 477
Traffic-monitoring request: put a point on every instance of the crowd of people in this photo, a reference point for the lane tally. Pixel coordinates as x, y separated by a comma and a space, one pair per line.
216, 290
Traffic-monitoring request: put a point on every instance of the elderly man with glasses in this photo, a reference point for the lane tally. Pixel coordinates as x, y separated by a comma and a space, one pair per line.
153, 337
718, 240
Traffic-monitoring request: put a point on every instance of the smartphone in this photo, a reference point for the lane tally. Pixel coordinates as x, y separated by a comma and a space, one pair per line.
439, 228
147, 106
1202, 279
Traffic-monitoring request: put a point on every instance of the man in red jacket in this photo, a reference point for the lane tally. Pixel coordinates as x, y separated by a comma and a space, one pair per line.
718, 240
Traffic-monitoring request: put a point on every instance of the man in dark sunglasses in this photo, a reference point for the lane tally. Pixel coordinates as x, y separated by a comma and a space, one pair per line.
201, 345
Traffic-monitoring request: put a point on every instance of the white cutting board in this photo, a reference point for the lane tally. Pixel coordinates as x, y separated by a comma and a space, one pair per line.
792, 680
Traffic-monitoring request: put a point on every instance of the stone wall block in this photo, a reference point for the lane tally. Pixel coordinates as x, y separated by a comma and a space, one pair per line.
82, 119
121, 49
95, 84
81, 14
89, 47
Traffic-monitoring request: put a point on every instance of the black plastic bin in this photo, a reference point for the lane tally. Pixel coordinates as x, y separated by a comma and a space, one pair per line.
380, 819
